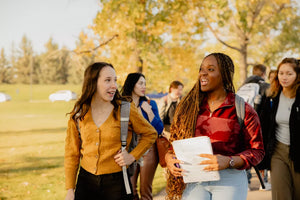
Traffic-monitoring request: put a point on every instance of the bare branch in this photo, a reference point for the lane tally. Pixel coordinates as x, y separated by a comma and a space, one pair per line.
256, 13
275, 12
218, 38
100, 45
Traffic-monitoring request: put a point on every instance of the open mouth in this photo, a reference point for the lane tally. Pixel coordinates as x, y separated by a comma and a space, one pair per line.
203, 82
111, 93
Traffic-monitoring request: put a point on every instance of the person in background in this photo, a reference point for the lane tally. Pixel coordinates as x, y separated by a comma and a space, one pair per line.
271, 75
280, 119
258, 76
93, 138
209, 110
167, 105
135, 87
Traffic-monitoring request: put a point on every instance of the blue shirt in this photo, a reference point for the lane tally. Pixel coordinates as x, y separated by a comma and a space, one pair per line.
156, 122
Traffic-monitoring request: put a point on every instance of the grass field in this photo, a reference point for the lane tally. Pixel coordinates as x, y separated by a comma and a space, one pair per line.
32, 143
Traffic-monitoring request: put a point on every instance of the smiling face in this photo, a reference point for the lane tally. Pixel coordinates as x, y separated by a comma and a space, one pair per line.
286, 76
106, 84
140, 87
210, 75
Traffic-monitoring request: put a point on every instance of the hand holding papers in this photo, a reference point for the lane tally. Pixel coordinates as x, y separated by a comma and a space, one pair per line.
188, 150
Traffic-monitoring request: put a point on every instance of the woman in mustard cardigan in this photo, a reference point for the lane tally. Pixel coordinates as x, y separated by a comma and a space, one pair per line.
97, 148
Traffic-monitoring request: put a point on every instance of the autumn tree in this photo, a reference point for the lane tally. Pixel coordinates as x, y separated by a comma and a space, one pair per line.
248, 27
153, 37
54, 64
138, 34
24, 61
81, 57
6, 72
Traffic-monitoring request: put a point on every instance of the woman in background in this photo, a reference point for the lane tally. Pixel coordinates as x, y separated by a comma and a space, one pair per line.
135, 87
280, 120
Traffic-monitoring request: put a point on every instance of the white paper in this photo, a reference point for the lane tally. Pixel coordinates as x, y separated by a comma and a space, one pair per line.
188, 150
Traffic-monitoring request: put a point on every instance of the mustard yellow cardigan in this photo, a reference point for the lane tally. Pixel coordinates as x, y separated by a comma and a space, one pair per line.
101, 144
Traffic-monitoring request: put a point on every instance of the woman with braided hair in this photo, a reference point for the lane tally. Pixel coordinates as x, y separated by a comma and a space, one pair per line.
209, 110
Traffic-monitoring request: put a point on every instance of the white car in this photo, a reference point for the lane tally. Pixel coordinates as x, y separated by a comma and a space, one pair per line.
63, 95
4, 97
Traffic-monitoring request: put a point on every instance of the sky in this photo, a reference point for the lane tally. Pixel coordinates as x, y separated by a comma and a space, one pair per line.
39, 20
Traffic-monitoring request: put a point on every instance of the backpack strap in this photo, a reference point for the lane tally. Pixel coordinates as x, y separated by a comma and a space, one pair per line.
125, 111
240, 109
240, 112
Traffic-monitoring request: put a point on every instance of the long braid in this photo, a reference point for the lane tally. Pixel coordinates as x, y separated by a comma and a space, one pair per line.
183, 126
184, 122
227, 70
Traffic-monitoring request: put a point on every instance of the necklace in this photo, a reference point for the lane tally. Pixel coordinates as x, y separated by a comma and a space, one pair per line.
217, 100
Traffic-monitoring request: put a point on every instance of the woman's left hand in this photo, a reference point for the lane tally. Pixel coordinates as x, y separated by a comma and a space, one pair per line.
215, 162
123, 158
148, 109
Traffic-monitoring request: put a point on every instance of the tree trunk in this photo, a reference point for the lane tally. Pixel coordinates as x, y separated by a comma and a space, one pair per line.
140, 65
243, 64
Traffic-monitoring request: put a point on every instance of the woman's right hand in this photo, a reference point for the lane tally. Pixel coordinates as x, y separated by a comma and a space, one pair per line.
70, 194
171, 162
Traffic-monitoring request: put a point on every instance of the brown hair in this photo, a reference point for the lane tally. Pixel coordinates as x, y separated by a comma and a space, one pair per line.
89, 87
186, 114
175, 84
275, 85
272, 71
259, 70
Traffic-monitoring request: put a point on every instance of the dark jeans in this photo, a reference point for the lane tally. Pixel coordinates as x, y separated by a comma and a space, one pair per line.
146, 173
107, 186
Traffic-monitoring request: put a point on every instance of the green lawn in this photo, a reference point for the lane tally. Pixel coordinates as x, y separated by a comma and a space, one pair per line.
32, 143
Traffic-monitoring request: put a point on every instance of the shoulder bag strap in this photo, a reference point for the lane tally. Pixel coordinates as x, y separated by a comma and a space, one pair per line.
125, 111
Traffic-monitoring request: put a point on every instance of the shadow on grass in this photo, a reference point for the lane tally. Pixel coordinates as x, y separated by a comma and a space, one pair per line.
35, 131
35, 164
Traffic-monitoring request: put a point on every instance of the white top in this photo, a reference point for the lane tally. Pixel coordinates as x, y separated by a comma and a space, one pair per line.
282, 119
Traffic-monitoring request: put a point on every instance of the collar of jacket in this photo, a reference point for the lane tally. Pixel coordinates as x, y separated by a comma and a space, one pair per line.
229, 101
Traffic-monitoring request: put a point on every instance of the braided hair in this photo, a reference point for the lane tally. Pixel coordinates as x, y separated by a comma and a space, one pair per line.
186, 114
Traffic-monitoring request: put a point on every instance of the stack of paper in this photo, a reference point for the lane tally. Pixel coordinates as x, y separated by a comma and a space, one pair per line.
188, 150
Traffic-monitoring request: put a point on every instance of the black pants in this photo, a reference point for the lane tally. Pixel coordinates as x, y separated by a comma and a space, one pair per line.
107, 186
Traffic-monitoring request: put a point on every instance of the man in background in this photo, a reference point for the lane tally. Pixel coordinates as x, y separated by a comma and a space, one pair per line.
259, 75
167, 105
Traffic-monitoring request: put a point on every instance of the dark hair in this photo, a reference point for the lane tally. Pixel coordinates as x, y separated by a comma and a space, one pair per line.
129, 84
275, 85
226, 67
175, 84
186, 113
89, 88
259, 69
